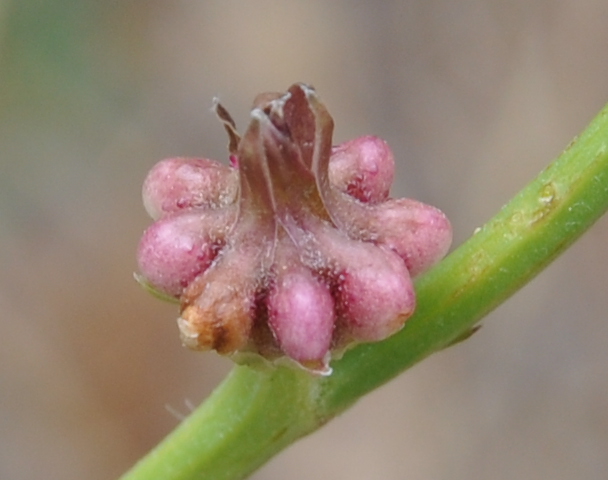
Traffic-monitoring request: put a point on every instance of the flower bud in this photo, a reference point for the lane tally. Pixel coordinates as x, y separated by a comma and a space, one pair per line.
377, 294
174, 250
177, 184
419, 233
301, 316
364, 168
295, 250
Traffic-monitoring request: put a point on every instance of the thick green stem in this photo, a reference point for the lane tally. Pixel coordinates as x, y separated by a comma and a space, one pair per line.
256, 413
250, 417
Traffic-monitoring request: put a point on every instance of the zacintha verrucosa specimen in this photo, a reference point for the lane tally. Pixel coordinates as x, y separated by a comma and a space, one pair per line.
294, 250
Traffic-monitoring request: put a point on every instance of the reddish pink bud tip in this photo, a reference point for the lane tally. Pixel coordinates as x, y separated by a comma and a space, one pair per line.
419, 233
178, 184
301, 315
363, 168
378, 297
173, 252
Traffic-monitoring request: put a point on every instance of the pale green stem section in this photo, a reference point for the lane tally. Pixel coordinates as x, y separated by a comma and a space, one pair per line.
256, 413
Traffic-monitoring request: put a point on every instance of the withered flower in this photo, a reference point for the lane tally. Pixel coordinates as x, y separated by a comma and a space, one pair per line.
294, 250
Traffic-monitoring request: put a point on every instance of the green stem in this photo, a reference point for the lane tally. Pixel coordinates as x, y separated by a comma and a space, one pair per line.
255, 413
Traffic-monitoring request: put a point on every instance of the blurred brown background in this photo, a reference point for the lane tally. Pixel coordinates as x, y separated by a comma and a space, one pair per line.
475, 97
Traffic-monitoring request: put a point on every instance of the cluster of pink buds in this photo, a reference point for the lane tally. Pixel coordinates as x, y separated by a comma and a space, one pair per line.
294, 250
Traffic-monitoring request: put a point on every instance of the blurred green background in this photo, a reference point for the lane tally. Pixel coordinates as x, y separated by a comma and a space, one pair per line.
475, 97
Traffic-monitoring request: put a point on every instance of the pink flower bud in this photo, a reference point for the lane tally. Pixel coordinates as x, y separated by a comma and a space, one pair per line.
377, 294
298, 295
174, 250
364, 168
177, 184
296, 249
419, 233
